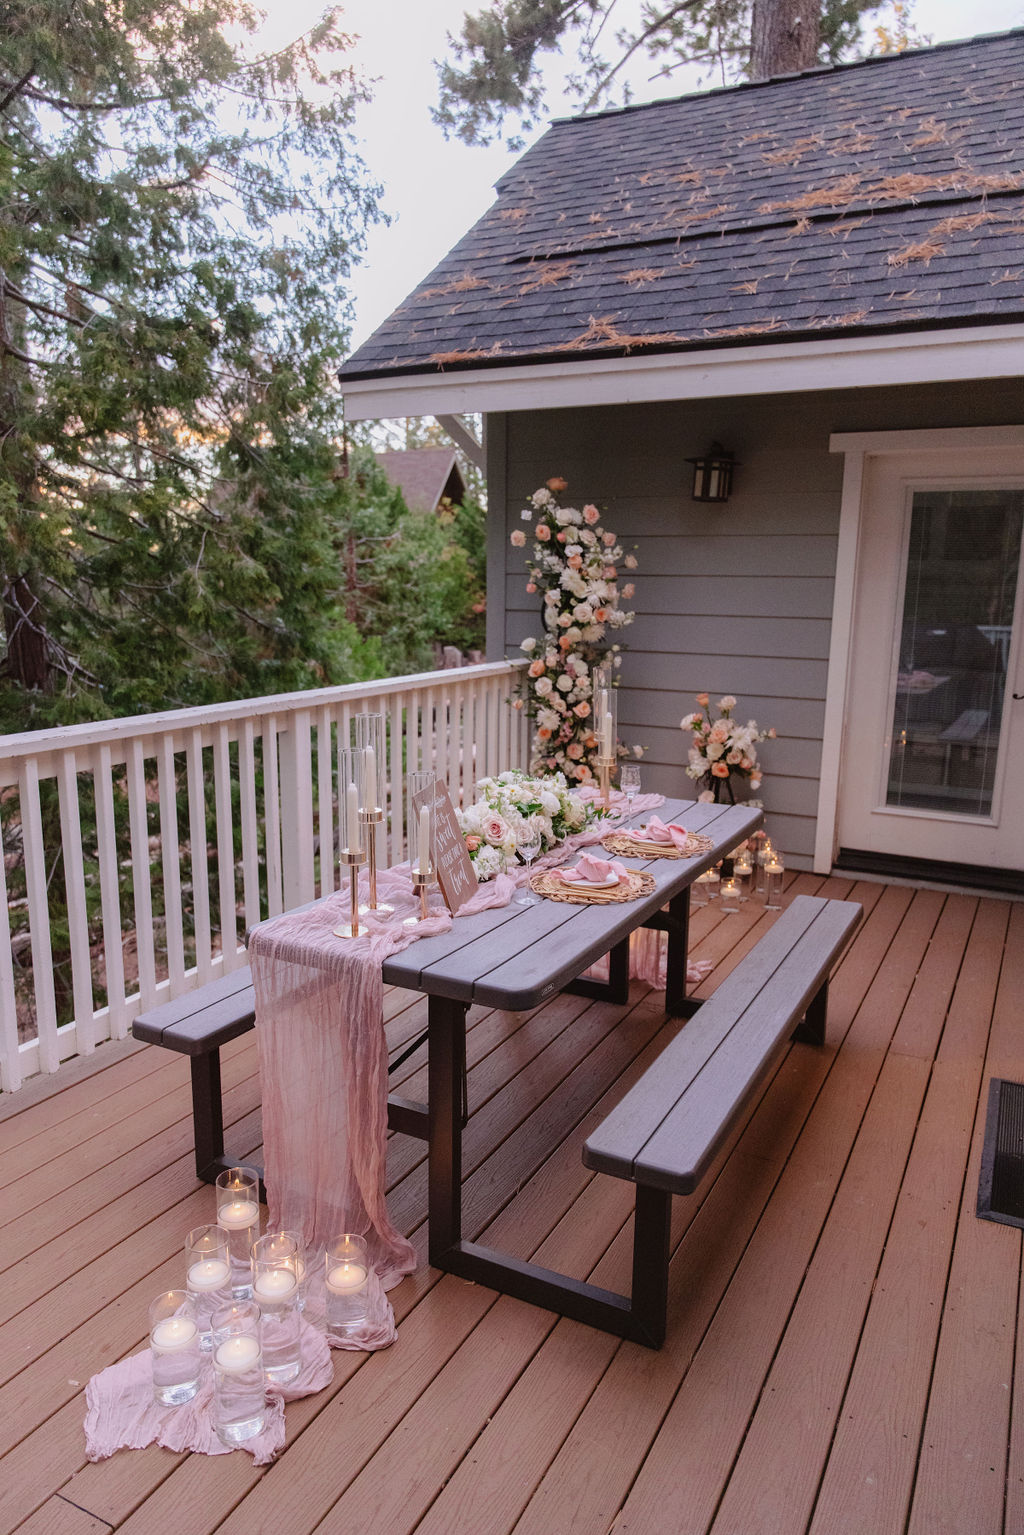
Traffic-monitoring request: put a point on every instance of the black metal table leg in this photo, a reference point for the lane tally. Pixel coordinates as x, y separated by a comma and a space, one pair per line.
677, 1003
447, 1029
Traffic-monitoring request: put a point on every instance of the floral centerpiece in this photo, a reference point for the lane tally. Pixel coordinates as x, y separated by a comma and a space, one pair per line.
723, 747
575, 564
513, 808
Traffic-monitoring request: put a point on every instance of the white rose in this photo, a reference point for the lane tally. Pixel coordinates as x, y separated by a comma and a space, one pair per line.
564, 684
542, 687
542, 497
528, 645
549, 802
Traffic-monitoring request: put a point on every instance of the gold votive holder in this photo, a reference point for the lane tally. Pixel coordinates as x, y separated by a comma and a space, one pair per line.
604, 767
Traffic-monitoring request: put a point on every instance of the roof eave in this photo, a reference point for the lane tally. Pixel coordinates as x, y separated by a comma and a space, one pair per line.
835, 362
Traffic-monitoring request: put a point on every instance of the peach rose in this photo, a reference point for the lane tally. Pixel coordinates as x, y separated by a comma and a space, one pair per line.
536, 668
627, 590
600, 614
575, 751
530, 588
544, 733
719, 770
581, 710
575, 561
472, 843
702, 699
517, 537
557, 484
543, 532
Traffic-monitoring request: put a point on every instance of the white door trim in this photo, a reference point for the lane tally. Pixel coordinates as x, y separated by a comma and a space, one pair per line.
857, 447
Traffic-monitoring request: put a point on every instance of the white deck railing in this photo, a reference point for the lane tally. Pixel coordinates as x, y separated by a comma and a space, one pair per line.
138, 851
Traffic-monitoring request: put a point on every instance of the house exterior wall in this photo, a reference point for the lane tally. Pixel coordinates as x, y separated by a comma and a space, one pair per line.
732, 598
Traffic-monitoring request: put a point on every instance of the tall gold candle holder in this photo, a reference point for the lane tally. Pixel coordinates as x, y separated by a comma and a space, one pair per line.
353, 857
604, 767
369, 820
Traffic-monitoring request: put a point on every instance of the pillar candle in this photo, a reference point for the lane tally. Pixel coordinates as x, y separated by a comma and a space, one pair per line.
606, 744
424, 849
370, 769
352, 807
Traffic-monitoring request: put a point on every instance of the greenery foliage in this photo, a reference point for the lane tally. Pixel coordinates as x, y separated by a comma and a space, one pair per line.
178, 220
495, 75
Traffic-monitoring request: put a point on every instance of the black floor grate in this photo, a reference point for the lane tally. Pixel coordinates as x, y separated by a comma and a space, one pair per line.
1001, 1187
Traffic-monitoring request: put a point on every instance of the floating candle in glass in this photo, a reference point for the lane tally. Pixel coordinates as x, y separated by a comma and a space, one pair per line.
173, 1348
238, 1213
347, 1270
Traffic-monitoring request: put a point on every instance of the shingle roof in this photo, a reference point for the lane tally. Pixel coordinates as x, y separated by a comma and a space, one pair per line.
878, 196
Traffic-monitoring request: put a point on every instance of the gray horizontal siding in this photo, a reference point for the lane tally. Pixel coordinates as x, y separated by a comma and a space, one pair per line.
729, 598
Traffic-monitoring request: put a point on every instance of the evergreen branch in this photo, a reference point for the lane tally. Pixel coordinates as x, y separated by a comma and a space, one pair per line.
14, 89
642, 38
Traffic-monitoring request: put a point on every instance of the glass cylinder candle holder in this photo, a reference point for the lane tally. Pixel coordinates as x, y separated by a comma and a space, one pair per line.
349, 778
765, 853
207, 1276
174, 1348
347, 1271
710, 883
238, 1214
421, 827
773, 872
605, 706
239, 1398
371, 742
742, 873
730, 894
275, 1287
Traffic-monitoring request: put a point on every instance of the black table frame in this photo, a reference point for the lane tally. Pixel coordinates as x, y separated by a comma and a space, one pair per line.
639, 1316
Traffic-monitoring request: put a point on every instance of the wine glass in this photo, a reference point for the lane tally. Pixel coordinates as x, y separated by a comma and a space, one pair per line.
528, 850
629, 783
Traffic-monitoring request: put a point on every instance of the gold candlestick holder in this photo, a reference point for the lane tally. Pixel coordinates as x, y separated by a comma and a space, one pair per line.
369, 820
354, 858
421, 883
604, 767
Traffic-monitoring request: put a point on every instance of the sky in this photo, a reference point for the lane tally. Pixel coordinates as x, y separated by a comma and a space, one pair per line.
434, 189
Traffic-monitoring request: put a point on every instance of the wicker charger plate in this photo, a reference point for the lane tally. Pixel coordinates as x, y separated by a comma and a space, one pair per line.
624, 842
553, 888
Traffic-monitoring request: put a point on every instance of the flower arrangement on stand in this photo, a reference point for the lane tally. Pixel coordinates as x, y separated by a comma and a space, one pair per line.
515, 808
723, 747
575, 564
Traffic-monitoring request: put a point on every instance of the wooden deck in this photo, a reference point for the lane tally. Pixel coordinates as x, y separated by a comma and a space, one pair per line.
843, 1352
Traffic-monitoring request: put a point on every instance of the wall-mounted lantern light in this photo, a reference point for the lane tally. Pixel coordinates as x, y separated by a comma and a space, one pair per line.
712, 474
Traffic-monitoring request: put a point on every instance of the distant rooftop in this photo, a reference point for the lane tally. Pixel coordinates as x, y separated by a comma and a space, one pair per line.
425, 476
882, 195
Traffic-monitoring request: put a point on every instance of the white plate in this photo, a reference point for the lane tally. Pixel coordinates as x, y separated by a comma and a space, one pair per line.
592, 884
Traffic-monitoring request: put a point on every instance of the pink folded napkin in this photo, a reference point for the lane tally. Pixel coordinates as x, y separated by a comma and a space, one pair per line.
657, 831
591, 870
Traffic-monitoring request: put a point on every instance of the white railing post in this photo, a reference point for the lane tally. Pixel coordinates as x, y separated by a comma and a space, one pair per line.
296, 801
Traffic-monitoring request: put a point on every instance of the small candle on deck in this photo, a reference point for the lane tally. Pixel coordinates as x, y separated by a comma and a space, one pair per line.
174, 1333
208, 1274
346, 1278
275, 1284
238, 1214
237, 1354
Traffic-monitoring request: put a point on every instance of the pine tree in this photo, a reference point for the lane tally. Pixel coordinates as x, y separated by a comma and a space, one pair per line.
495, 72
177, 223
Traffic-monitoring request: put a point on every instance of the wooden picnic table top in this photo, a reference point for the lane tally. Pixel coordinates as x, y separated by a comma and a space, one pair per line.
513, 957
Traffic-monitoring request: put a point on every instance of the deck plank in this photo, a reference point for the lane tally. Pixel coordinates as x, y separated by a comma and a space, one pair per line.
843, 1353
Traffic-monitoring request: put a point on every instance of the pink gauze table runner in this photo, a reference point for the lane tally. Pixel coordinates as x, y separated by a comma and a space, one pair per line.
323, 1062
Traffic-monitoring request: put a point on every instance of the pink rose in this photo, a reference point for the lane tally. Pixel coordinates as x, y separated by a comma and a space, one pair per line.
590, 514
627, 590
518, 538
608, 539
719, 732
609, 572
495, 830
530, 588
543, 532
562, 536
575, 560
575, 751
472, 843
600, 614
